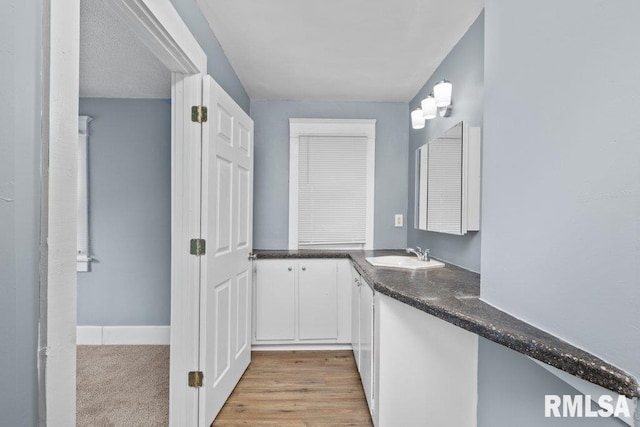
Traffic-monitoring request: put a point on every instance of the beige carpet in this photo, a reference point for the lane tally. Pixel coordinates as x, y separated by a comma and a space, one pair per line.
123, 385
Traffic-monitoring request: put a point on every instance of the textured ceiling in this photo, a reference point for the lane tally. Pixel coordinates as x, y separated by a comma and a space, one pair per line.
355, 50
113, 62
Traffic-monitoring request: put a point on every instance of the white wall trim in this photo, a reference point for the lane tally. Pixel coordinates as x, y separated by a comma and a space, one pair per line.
330, 127
158, 25
84, 258
300, 347
123, 335
89, 335
323, 127
58, 276
186, 154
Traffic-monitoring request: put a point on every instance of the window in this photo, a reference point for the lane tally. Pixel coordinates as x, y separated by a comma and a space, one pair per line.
83, 195
331, 183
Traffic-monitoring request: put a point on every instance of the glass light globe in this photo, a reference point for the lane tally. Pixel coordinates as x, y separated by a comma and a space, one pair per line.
429, 109
417, 119
442, 93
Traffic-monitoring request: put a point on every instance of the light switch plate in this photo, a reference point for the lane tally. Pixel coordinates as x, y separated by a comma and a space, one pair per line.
399, 220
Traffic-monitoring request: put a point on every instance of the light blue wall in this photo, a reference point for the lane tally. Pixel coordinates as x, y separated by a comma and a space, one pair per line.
510, 386
463, 66
271, 179
561, 181
511, 390
218, 65
20, 156
129, 213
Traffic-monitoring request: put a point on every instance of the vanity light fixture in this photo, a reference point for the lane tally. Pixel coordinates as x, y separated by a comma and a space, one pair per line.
442, 93
417, 119
429, 108
438, 103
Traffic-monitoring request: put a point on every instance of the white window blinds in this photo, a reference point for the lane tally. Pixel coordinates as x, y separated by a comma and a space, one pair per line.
444, 193
332, 190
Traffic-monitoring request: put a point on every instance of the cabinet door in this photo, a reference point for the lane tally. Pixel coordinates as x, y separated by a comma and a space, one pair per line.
355, 316
275, 300
448, 182
366, 342
318, 300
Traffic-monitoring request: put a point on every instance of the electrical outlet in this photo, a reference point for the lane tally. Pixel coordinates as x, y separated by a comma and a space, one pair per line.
399, 220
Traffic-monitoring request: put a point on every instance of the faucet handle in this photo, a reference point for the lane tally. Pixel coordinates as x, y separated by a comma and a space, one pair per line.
419, 249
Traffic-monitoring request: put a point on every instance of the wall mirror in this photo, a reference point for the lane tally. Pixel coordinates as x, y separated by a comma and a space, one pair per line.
448, 182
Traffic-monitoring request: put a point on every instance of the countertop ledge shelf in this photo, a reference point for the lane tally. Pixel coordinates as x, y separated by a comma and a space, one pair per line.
453, 295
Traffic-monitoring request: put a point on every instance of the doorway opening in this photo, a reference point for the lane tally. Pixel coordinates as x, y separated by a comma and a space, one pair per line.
124, 225
159, 28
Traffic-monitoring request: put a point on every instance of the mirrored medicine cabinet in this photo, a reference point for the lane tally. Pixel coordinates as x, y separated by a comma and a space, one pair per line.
448, 182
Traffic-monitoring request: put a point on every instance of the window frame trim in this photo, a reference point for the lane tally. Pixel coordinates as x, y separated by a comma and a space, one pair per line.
301, 127
83, 257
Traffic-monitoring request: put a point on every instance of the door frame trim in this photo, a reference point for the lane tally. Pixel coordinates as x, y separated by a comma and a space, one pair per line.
160, 28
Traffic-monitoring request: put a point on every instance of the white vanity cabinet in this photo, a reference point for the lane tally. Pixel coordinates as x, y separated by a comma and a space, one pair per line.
426, 371
302, 301
362, 332
355, 315
416, 369
366, 345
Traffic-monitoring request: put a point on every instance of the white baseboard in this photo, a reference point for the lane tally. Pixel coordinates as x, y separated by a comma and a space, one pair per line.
89, 335
299, 347
123, 335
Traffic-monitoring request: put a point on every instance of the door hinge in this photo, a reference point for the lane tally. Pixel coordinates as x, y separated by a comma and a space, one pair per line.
198, 247
199, 114
196, 379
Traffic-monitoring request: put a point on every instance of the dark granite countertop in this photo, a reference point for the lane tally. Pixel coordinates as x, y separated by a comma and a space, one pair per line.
453, 294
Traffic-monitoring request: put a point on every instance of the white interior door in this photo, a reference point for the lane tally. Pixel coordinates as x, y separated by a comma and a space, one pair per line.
226, 273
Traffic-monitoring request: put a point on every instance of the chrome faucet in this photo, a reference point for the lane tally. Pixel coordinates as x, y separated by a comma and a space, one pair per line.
423, 255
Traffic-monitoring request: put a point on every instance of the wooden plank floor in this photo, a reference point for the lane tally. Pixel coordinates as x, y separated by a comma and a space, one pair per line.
297, 388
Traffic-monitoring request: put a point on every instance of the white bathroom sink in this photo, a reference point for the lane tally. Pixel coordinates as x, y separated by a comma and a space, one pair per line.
406, 262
